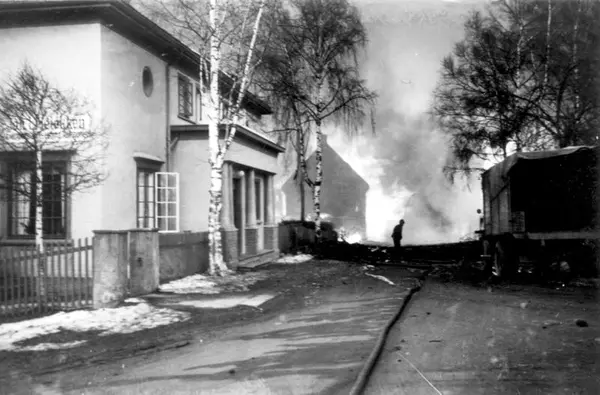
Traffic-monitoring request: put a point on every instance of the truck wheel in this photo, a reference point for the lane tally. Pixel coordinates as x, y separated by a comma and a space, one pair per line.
499, 261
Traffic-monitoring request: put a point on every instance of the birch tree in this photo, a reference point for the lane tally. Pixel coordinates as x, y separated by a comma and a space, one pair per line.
226, 35
316, 69
38, 120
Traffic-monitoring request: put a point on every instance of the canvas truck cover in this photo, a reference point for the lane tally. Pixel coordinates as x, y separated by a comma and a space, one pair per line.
497, 175
537, 189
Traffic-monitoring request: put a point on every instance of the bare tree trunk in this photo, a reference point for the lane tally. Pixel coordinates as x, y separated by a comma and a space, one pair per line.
318, 181
215, 247
318, 158
300, 173
217, 153
575, 59
39, 212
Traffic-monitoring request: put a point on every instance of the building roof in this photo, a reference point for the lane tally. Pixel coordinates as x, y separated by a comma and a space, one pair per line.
337, 158
123, 19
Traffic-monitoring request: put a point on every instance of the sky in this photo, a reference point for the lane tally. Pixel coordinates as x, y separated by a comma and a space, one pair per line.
403, 161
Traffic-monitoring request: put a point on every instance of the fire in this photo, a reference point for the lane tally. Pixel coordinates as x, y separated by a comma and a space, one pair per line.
354, 238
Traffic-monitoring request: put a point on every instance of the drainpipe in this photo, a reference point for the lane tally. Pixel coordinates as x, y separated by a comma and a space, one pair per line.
168, 118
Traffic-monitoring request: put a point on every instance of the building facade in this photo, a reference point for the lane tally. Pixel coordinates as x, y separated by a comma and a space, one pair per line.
143, 86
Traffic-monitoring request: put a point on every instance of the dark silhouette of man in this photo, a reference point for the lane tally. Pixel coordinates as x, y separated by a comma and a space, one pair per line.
397, 237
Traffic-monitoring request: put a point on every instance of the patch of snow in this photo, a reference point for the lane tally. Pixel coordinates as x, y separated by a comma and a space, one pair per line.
52, 346
196, 283
229, 302
135, 300
207, 285
382, 278
300, 258
125, 319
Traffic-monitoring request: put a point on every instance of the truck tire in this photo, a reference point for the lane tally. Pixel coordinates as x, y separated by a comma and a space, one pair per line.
504, 261
499, 261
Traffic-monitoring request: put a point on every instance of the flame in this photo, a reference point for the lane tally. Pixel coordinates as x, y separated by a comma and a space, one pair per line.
354, 238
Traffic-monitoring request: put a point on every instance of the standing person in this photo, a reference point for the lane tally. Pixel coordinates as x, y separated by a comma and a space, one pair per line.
397, 237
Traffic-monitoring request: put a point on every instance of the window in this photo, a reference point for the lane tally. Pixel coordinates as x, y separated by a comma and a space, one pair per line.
167, 202
147, 81
145, 199
23, 201
224, 110
198, 104
158, 200
186, 99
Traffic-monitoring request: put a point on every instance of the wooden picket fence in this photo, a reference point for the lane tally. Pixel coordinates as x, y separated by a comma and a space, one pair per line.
35, 283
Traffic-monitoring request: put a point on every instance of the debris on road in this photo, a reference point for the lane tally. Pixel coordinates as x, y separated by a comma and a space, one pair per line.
581, 323
126, 319
382, 278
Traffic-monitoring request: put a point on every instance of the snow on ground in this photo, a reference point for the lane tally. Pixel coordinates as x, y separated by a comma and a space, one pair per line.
300, 258
125, 319
201, 284
382, 278
229, 302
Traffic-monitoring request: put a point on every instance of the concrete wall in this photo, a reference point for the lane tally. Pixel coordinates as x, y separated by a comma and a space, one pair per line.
137, 123
69, 57
182, 254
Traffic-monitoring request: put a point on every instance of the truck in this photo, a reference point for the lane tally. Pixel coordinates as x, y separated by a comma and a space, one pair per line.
540, 211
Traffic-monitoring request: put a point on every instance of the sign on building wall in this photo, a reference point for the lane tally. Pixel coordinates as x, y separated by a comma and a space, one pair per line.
54, 132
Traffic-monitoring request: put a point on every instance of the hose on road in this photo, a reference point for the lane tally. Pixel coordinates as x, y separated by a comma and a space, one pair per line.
367, 369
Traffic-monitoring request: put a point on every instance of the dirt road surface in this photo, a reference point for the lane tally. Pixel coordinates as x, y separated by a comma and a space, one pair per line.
462, 339
316, 348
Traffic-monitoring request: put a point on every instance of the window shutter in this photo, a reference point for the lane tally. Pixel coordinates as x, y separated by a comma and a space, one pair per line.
167, 201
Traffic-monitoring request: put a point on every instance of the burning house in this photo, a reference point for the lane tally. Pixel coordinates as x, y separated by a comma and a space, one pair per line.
343, 196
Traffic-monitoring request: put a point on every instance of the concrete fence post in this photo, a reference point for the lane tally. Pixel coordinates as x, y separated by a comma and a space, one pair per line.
144, 273
110, 268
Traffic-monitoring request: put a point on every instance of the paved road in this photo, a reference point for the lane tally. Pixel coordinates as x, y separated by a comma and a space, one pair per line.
318, 349
467, 340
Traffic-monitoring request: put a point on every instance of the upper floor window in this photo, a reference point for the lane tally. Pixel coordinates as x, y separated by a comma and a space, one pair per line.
186, 98
224, 109
23, 198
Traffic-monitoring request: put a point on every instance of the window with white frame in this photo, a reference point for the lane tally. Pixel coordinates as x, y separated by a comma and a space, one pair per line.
167, 201
157, 200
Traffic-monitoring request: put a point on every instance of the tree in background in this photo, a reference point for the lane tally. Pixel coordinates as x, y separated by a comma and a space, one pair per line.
313, 69
227, 36
38, 121
522, 79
